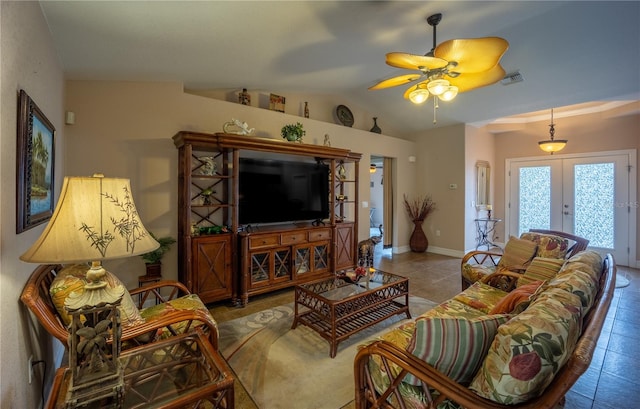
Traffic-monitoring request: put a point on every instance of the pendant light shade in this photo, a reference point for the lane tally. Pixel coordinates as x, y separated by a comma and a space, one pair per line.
552, 145
438, 87
419, 95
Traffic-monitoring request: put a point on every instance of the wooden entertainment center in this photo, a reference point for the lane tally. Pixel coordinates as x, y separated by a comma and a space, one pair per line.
220, 259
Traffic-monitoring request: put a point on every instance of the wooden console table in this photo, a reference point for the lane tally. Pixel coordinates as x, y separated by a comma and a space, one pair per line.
174, 373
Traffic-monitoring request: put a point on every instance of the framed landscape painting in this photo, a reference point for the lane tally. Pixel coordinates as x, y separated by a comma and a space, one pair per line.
35, 165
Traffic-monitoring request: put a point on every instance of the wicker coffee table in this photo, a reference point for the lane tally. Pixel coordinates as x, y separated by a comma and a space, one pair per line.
337, 309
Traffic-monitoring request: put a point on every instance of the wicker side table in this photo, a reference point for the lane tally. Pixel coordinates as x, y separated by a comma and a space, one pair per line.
174, 373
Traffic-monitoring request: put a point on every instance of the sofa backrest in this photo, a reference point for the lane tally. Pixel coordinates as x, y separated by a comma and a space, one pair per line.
576, 243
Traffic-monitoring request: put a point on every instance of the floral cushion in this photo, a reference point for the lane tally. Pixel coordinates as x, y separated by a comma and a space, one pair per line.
530, 349
454, 346
475, 272
72, 279
548, 245
190, 302
480, 296
518, 299
517, 255
588, 261
540, 269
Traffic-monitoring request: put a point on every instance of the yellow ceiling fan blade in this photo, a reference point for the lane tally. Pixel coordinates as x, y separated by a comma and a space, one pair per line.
473, 80
395, 81
414, 62
472, 54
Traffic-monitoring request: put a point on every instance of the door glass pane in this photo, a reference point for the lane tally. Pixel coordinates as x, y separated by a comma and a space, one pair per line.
594, 203
535, 198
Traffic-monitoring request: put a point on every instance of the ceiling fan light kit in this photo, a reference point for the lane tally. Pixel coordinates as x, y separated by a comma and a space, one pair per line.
552, 145
452, 67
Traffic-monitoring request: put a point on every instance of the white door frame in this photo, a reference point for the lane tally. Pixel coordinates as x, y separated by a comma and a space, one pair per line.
633, 201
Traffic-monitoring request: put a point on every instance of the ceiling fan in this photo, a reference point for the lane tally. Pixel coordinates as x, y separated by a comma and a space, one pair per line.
454, 66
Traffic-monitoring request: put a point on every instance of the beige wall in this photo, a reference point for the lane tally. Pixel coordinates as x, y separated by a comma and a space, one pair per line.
125, 128
30, 63
597, 132
479, 146
441, 162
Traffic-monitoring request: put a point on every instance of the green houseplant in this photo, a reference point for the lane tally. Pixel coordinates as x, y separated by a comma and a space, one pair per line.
293, 133
153, 259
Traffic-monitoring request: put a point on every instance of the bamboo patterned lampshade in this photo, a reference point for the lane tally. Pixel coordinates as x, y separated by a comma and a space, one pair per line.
95, 219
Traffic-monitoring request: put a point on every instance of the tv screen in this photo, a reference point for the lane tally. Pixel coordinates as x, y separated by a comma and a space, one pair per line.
272, 191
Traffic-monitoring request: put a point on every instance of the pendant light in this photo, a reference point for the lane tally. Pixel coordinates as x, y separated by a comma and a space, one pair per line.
552, 145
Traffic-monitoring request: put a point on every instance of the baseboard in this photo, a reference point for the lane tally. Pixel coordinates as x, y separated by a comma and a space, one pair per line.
431, 249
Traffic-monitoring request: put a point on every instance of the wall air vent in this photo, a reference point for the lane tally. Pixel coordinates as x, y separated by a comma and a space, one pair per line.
512, 78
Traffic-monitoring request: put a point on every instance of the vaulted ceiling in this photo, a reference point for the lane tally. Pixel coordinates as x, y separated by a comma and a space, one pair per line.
568, 52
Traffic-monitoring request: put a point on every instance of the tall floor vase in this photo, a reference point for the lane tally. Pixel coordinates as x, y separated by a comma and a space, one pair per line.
418, 241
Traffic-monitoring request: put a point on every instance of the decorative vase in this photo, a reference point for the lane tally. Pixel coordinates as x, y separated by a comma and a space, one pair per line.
306, 110
376, 128
244, 97
418, 241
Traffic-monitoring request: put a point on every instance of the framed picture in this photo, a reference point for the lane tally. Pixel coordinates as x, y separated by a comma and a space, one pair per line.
35, 165
276, 102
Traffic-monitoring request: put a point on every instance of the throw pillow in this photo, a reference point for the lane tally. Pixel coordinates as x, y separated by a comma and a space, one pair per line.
454, 346
72, 278
517, 254
530, 349
549, 245
517, 300
541, 269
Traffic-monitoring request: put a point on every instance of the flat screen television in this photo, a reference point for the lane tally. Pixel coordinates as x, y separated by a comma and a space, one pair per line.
276, 191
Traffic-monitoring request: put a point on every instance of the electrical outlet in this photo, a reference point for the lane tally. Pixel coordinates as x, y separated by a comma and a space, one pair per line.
437, 233
30, 368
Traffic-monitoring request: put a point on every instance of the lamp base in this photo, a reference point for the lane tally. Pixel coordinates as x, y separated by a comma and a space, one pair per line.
96, 291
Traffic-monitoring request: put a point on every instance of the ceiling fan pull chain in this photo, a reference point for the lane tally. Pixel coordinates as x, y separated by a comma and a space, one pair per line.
435, 107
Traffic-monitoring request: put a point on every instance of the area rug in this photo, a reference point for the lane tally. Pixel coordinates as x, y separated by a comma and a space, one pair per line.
284, 368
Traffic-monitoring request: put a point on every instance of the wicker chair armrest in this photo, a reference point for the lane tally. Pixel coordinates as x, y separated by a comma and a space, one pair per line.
175, 289
504, 280
367, 396
144, 333
481, 257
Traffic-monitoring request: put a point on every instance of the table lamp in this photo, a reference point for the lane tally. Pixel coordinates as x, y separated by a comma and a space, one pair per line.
95, 219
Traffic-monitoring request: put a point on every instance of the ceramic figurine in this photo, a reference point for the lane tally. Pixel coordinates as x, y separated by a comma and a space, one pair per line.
327, 141
236, 126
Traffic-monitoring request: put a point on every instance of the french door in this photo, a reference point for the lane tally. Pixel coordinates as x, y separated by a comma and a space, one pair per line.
585, 195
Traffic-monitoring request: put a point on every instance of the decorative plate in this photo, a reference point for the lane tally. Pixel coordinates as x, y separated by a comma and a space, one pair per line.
344, 115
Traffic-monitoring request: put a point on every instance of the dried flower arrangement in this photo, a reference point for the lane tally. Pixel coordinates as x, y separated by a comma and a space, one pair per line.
420, 207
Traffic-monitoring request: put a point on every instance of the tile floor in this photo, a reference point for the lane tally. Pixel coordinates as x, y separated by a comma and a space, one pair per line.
611, 382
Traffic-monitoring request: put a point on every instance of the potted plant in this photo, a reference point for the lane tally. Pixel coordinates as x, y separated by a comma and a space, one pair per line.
293, 133
153, 259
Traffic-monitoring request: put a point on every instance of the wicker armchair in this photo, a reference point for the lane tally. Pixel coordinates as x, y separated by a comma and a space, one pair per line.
170, 321
490, 260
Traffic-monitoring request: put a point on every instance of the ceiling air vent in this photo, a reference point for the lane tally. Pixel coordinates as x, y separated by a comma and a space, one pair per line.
512, 78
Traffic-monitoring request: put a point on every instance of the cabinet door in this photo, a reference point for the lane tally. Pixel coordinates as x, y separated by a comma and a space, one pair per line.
320, 257
301, 260
212, 267
282, 264
260, 267
345, 247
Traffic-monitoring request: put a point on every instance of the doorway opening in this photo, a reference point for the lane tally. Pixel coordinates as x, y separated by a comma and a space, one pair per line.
379, 204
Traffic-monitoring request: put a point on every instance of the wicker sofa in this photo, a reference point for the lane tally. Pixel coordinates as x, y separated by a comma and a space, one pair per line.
175, 310
468, 352
477, 264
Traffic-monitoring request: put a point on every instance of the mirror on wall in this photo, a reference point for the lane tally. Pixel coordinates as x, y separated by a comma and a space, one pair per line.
483, 173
